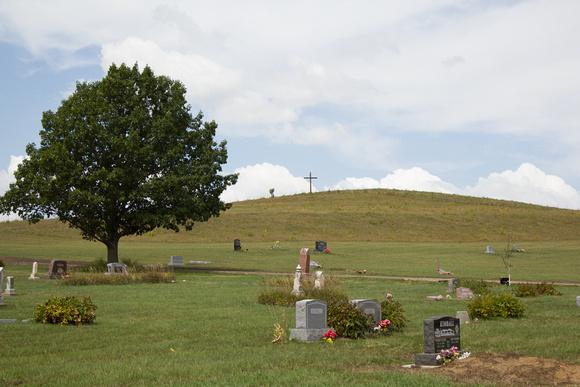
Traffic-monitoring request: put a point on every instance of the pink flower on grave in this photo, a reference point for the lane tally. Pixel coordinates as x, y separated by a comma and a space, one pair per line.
385, 323
327, 251
440, 297
389, 295
330, 335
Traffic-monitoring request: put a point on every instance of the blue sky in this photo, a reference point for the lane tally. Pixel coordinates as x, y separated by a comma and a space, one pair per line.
468, 97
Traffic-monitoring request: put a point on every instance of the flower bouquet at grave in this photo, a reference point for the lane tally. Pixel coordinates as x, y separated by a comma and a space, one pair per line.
382, 328
448, 355
328, 336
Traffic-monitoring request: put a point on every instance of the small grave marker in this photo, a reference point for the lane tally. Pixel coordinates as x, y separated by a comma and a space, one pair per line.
176, 260
34, 274
297, 290
489, 250
319, 280
116, 268
371, 307
311, 319
452, 282
464, 293
463, 317
56, 270
10, 287
578, 301
305, 261
237, 245
320, 247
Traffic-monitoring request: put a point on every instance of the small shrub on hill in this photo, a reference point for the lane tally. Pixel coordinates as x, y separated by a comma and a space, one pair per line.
1, 263
547, 289
393, 311
525, 290
66, 310
492, 305
348, 321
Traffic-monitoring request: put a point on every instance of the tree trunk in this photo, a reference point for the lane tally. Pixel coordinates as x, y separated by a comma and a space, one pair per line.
112, 251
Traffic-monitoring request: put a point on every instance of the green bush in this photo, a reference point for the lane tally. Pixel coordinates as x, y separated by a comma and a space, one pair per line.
393, 311
492, 305
476, 286
525, 290
1, 264
66, 310
278, 291
547, 289
348, 321
280, 297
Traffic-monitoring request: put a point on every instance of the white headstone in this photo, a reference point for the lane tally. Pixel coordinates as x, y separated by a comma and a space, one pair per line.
489, 249
297, 290
10, 287
319, 280
311, 319
34, 274
578, 300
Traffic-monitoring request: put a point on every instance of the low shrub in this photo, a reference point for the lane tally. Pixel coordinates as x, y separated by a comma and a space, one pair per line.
150, 274
491, 305
278, 291
393, 311
476, 286
66, 310
525, 290
547, 289
1, 263
348, 321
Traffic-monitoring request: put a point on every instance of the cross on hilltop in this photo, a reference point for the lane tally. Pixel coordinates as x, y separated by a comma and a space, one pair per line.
310, 177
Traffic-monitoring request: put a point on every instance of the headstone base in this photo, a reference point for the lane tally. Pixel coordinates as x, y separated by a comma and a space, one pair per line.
430, 359
427, 359
308, 335
9, 292
3, 304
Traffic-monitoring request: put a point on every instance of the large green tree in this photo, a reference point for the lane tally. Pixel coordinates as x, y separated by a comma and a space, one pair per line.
122, 156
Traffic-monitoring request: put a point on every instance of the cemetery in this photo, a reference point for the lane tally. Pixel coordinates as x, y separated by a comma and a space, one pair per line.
205, 325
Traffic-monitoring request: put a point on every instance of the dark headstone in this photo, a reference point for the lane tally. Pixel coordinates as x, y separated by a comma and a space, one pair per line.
56, 269
320, 247
441, 332
237, 245
504, 280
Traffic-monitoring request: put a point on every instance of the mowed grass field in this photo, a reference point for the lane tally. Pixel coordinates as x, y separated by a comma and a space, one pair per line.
208, 329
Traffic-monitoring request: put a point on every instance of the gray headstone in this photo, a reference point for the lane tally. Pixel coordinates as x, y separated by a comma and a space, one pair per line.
463, 317
8, 321
310, 321
452, 282
441, 332
371, 307
463, 293
10, 287
311, 314
176, 260
578, 300
489, 250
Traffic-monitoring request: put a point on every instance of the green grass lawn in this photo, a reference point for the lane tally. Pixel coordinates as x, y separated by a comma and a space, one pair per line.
208, 329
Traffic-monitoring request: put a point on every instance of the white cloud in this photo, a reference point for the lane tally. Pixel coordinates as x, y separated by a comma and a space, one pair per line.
255, 182
527, 184
6, 178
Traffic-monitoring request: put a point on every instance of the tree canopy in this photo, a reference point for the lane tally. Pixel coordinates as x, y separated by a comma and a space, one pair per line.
122, 156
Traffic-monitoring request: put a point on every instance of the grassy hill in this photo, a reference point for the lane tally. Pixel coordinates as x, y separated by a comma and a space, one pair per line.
378, 215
